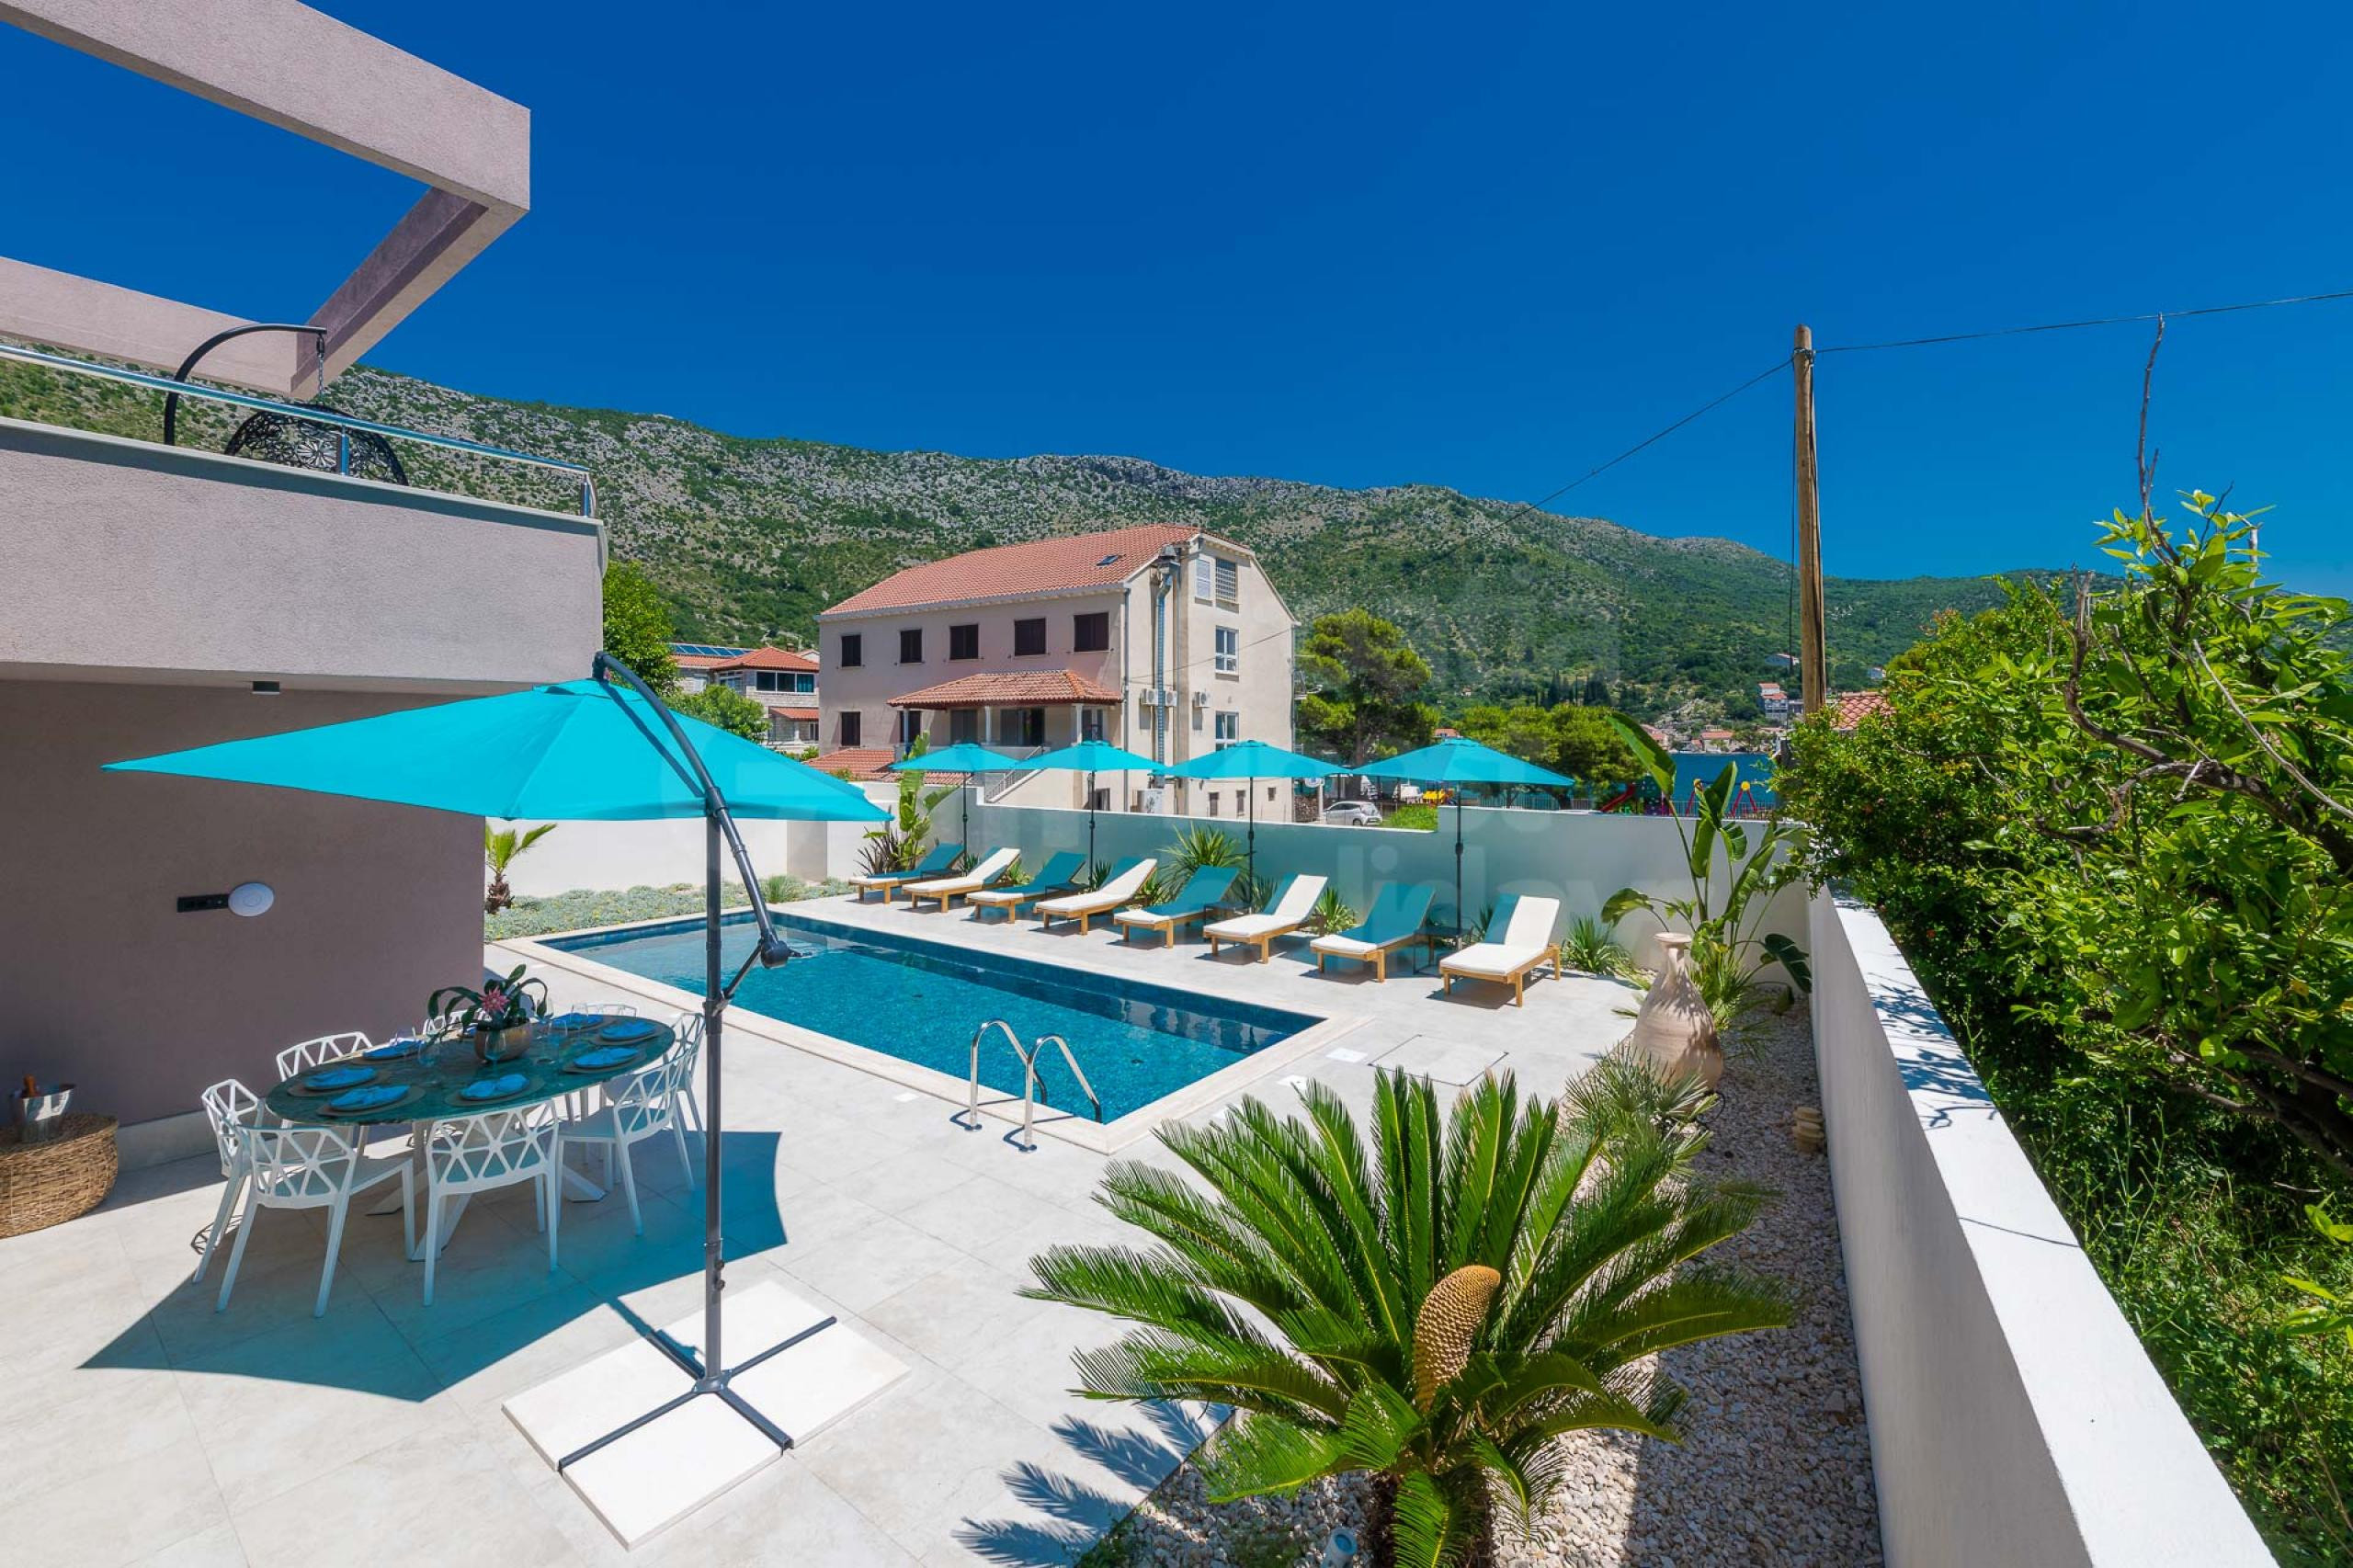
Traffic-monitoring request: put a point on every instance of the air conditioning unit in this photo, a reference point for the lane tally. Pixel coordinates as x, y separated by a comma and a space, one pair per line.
1201, 700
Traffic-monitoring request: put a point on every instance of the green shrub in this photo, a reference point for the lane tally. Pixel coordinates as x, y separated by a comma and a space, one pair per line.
2191, 1212
1423, 817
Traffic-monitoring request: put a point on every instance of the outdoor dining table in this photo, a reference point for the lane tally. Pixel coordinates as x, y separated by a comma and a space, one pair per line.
441, 1069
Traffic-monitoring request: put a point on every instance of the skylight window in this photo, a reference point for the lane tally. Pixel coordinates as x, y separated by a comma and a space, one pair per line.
1107, 560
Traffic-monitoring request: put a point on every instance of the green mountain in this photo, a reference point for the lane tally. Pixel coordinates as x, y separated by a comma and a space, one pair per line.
750, 539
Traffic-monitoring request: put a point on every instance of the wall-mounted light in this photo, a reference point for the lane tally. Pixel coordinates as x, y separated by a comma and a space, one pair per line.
265, 689
252, 898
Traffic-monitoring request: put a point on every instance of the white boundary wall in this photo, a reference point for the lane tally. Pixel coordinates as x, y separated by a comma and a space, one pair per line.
1579, 858
2014, 1416
609, 856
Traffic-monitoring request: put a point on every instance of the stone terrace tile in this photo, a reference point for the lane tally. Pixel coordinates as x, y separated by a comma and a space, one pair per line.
175, 1435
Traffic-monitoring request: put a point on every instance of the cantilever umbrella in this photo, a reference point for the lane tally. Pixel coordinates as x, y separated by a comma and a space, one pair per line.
1091, 757
1250, 761
963, 757
606, 750
1458, 762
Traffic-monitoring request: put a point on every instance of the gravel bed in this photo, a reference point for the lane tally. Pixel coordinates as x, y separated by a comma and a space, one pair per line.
1775, 1469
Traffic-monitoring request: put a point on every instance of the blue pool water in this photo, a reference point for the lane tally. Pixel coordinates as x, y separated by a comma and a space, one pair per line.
920, 1002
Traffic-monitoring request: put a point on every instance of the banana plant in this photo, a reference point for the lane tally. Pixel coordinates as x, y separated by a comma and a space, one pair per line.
1725, 947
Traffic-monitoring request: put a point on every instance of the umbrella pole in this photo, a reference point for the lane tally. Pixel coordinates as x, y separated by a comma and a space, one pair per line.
714, 1003
1250, 789
1090, 819
1458, 865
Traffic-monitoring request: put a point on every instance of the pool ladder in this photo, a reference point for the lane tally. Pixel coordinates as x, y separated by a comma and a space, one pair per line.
1032, 1091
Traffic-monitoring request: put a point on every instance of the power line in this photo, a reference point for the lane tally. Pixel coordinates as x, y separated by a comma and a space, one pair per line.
1649, 440
2094, 321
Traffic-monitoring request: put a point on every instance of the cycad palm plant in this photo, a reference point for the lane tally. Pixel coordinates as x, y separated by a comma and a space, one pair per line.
1436, 1305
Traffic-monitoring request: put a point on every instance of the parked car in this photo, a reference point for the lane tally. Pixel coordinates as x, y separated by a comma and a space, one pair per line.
1352, 814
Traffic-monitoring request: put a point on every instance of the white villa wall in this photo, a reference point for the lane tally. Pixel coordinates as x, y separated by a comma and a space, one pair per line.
2014, 1416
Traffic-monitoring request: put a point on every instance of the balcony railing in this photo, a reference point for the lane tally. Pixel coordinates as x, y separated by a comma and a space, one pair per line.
301, 414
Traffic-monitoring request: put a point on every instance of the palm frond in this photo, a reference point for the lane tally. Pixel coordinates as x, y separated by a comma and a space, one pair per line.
1257, 1454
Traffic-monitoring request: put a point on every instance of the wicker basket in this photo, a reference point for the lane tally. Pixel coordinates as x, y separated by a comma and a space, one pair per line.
63, 1175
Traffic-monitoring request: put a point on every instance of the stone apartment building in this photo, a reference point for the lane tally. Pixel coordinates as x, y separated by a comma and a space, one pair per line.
1162, 638
782, 680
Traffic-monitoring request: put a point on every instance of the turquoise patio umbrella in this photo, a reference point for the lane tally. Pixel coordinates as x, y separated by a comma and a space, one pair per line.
1249, 761
1091, 757
964, 758
1458, 762
605, 749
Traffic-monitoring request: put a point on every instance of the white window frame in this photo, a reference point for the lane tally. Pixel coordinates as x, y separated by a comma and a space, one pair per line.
1229, 727
1204, 577
1229, 650
1229, 581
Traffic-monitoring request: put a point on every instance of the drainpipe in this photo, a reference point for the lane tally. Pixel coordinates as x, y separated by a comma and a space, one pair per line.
1171, 564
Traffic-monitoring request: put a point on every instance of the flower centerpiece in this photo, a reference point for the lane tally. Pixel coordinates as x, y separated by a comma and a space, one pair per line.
499, 1014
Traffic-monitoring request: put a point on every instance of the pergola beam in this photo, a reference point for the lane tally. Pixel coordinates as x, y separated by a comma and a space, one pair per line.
288, 65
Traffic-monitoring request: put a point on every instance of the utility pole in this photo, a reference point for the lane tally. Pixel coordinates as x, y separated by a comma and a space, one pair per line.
1814, 672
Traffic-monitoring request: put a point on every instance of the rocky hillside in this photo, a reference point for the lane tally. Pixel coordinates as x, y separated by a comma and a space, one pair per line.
750, 539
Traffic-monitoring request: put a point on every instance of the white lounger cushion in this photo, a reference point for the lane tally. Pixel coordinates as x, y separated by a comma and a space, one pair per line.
979, 876
1347, 947
1299, 902
1529, 937
1110, 895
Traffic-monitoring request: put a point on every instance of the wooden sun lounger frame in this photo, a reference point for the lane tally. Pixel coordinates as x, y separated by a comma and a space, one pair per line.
946, 898
1263, 940
1517, 977
1012, 907
1167, 924
1379, 956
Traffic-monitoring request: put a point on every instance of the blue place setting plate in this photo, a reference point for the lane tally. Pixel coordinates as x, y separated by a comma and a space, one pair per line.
601, 1058
399, 1050
506, 1087
327, 1078
571, 1021
372, 1096
628, 1029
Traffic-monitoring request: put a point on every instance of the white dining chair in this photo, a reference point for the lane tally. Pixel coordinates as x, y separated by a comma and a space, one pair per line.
641, 1106
228, 1106
326, 1048
686, 1102
495, 1149
610, 1009
310, 1167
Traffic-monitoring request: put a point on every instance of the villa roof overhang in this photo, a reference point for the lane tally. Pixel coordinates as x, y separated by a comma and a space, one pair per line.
800, 715
1032, 689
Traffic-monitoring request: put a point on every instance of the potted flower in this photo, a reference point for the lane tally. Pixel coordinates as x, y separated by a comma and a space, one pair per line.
499, 1014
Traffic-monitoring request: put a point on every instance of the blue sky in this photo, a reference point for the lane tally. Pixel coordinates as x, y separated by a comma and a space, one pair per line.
1485, 247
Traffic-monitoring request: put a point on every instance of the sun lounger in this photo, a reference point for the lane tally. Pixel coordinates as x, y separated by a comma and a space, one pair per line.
1285, 913
1399, 919
1526, 944
1058, 875
1126, 881
1204, 891
946, 891
936, 864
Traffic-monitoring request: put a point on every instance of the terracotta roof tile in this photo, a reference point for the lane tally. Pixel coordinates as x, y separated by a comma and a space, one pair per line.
1029, 688
805, 715
859, 762
1854, 707
1039, 566
767, 658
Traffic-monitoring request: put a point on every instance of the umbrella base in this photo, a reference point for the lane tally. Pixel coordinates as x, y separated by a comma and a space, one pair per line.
645, 1433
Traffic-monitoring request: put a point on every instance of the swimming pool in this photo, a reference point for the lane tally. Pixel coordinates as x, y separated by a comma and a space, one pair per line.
920, 1002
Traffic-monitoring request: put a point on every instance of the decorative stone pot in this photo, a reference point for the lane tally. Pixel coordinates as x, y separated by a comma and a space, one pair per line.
502, 1045
1675, 1032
